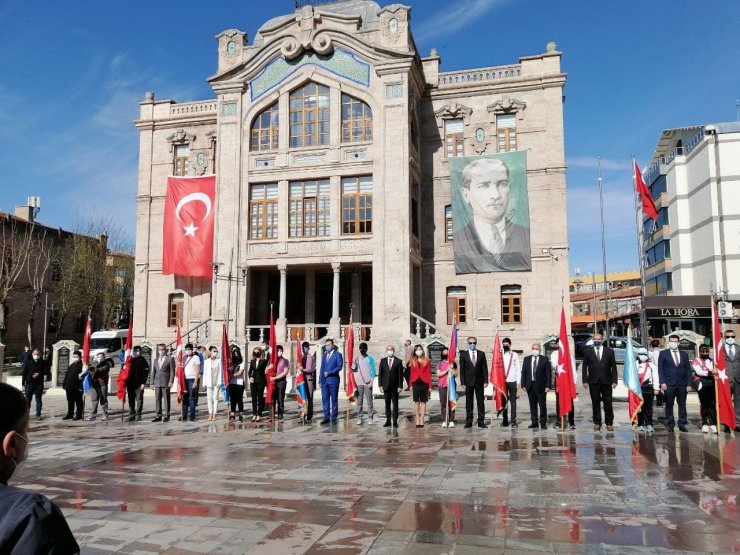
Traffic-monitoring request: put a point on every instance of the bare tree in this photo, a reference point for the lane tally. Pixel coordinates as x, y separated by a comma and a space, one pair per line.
40, 256
15, 241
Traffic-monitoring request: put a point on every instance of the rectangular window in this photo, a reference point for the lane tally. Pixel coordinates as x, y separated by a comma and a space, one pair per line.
309, 208
181, 159
448, 223
506, 132
658, 187
454, 137
174, 309
263, 207
649, 227
357, 205
456, 305
511, 304
415, 211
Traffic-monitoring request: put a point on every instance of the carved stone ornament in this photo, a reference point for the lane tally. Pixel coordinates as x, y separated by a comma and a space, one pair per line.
309, 38
394, 21
480, 141
507, 105
453, 111
484, 313
393, 312
180, 137
201, 161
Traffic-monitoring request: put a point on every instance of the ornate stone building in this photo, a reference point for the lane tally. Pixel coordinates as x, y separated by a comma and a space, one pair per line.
330, 136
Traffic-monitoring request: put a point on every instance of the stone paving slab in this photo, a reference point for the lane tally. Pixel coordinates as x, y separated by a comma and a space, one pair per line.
219, 487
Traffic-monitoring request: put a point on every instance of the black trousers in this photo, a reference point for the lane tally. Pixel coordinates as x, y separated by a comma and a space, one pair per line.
135, 400
537, 400
310, 388
280, 391
444, 404
601, 393
708, 406
391, 397
257, 391
74, 401
34, 390
571, 414
476, 392
511, 389
645, 416
236, 398
675, 393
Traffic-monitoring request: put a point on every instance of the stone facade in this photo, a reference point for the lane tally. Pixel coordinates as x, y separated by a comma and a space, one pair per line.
392, 275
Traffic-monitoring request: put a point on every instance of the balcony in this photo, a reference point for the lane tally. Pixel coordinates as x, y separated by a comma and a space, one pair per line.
473, 76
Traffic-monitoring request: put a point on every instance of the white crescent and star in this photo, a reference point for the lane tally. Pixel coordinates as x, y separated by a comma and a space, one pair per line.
193, 197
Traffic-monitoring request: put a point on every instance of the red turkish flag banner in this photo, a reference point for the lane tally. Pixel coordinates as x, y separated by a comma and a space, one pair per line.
86, 343
566, 387
187, 233
726, 410
646, 198
348, 358
498, 376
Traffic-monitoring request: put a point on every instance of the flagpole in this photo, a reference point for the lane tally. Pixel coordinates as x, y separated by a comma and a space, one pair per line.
603, 250
715, 344
640, 256
272, 404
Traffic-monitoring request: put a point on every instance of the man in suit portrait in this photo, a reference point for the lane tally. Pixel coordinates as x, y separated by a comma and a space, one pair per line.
331, 366
163, 376
674, 372
536, 375
390, 379
491, 242
599, 376
732, 356
474, 377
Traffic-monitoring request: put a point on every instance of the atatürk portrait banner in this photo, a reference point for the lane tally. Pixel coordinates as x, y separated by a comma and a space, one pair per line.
490, 213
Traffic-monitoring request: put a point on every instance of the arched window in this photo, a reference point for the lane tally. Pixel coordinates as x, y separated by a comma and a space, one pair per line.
357, 120
265, 129
309, 116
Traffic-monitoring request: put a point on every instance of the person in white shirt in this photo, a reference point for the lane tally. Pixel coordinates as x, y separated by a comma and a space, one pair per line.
191, 365
213, 378
554, 358
653, 354
513, 372
647, 372
703, 369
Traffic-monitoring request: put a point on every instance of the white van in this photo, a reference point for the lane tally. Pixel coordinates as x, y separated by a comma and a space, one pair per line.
108, 342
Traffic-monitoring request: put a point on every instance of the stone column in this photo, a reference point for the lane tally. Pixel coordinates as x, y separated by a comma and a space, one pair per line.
281, 326
357, 296
334, 325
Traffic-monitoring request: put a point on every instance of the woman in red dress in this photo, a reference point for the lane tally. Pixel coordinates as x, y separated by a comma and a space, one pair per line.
421, 383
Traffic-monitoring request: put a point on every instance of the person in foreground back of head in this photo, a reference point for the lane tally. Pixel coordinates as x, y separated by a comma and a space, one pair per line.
29, 522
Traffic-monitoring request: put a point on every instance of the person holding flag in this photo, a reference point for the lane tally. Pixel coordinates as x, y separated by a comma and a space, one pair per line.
446, 384
257, 383
72, 386
631, 380
280, 379
138, 378
647, 372
99, 385
307, 367
497, 377
703, 369
513, 375
126, 364
363, 369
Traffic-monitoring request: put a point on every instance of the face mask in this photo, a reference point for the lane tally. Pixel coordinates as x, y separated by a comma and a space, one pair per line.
136, 355
472, 346
597, 343
704, 356
280, 353
75, 359
643, 358
507, 347
390, 353
305, 349
730, 340
256, 354
445, 356
329, 348
99, 359
161, 352
535, 353
214, 355
19, 463
363, 351
673, 345
188, 353
419, 352
36, 357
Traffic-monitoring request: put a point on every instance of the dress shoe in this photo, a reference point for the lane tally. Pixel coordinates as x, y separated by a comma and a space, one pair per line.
482, 425
532, 426
737, 428
325, 421
157, 419
726, 429
609, 428
395, 423
333, 421
166, 419
597, 427
386, 425
68, 417
671, 428
77, 418
130, 419
468, 424
514, 425
138, 418
505, 424
683, 428
572, 426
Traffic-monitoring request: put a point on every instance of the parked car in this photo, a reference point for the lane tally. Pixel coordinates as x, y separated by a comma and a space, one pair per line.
619, 345
109, 342
579, 340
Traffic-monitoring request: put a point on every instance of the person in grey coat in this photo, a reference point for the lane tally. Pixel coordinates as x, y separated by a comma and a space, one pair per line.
163, 376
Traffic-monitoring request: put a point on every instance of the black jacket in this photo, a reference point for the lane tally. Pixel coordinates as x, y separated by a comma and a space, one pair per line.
256, 371
541, 373
38, 367
390, 377
602, 371
472, 257
72, 380
139, 373
472, 375
100, 372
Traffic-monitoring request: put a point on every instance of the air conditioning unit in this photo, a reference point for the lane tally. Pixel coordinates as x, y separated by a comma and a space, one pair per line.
724, 309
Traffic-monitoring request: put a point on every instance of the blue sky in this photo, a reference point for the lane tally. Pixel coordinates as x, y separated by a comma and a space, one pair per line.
73, 73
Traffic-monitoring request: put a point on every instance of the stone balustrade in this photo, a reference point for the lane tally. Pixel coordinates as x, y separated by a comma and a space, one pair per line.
200, 107
454, 78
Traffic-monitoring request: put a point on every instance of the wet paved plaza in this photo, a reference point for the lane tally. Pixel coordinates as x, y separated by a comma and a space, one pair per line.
208, 487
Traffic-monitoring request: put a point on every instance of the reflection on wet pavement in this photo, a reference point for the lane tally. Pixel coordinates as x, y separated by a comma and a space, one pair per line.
240, 487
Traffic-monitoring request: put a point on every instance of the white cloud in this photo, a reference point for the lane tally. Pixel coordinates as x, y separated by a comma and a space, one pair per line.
451, 19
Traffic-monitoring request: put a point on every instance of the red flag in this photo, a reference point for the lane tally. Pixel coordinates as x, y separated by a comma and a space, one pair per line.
187, 234
180, 384
498, 376
349, 352
225, 359
648, 204
722, 385
566, 387
272, 365
452, 351
123, 374
86, 343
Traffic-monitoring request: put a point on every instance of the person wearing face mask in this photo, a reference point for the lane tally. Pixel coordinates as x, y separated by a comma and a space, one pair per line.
72, 386
474, 377
138, 378
647, 372
421, 383
213, 378
536, 375
390, 379
674, 370
732, 356
307, 365
703, 369
653, 354
35, 371
363, 368
446, 371
280, 378
599, 376
331, 366
236, 384
192, 370
257, 383
29, 522
99, 392
163, 377
513, 373
554, 361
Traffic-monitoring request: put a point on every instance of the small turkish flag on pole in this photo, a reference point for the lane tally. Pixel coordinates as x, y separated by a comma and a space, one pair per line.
648, 204
187, 234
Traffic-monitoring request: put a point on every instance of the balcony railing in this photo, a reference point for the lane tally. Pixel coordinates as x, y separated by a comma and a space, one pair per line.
452, 78
654, 169
200, 107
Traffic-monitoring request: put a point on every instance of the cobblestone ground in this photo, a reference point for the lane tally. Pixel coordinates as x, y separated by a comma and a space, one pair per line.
200, 487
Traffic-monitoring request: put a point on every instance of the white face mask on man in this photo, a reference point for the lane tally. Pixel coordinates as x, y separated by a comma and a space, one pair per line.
535, 353
673, 345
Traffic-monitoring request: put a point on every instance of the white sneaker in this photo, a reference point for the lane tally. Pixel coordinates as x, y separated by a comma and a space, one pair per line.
451, 425
705, 429
444, 424
641, 429
713, 429
650, 429
359, 421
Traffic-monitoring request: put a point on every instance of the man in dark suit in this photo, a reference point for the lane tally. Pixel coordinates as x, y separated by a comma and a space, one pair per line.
599, 369
491, 242
163, 376
732, 356
674, 372
536, 373
331, 366
390, 379
474, 377
35, 372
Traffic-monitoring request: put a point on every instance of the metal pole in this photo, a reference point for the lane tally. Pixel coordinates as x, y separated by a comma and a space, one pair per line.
639, 217
603, 250
46, 317
593, 288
